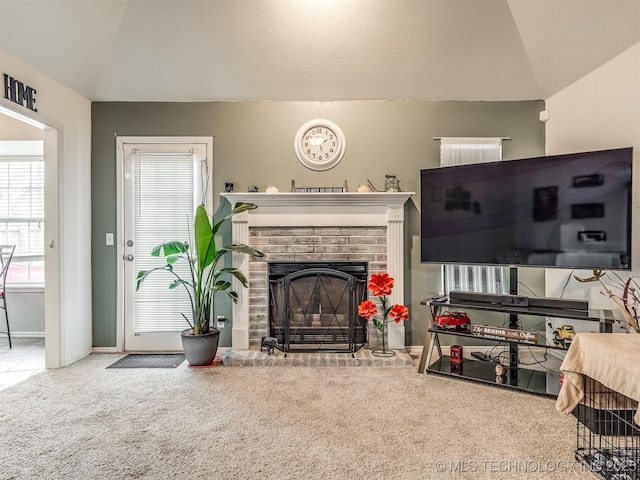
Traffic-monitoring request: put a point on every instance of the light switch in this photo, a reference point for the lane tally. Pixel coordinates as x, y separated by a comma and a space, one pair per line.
108, 240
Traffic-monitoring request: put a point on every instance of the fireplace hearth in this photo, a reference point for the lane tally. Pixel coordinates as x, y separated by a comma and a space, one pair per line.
313, 306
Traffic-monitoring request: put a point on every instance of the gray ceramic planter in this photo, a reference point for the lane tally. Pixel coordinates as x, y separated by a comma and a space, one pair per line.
200, 350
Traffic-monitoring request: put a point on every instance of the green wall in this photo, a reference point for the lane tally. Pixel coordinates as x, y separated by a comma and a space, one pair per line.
253, 145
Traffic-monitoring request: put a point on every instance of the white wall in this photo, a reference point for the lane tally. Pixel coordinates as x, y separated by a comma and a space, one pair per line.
601, 110
26, 312
70, 114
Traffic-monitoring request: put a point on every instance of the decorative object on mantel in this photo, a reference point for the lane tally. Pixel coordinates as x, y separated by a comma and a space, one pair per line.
344, 188
381, 285
628, 300
272, 189
391, 184
364, 189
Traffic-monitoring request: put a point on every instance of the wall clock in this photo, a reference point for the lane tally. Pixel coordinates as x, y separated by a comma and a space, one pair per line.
319, 144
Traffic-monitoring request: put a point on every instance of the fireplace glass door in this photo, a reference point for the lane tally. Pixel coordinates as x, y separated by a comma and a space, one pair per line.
313, 306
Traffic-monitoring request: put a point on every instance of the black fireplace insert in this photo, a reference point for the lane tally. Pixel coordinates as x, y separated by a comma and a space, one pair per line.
313, 306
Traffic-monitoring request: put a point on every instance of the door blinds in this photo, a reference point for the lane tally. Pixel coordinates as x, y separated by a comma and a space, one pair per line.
164, 199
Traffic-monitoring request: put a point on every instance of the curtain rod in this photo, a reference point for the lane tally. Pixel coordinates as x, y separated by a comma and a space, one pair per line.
501, 138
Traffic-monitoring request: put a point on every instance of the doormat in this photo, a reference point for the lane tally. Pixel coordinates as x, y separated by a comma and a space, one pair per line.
153, 360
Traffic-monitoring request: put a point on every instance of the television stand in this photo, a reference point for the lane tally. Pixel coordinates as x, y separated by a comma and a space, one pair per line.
542, 381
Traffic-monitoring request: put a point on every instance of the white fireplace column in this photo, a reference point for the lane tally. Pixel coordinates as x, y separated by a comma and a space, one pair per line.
395, 268
240, 331
348, 209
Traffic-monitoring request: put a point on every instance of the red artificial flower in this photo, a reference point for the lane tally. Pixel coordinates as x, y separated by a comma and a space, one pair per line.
399, 313
367, 309
381, 284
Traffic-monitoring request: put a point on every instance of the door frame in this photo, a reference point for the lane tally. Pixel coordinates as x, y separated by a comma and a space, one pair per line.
54, 344
121, 141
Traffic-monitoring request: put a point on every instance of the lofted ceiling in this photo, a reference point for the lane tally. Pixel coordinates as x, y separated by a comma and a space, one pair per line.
317, 50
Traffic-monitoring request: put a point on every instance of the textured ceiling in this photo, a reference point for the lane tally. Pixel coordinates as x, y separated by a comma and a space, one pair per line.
317, 50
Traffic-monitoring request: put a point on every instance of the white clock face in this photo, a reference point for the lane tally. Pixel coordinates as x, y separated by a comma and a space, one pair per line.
319, 144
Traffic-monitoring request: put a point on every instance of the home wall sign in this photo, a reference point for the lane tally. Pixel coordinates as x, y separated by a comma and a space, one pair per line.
19, 93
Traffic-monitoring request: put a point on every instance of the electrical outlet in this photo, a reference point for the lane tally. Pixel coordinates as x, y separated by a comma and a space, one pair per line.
220, 321
108, 239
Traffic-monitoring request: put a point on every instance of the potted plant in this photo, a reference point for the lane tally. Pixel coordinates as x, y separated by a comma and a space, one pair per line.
205, 279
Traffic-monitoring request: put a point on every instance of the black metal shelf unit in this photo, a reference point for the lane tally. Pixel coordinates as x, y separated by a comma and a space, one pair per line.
542, 382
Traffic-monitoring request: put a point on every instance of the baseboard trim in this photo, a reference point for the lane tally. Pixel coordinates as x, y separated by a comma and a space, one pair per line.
23, 334
104, 350
80, 356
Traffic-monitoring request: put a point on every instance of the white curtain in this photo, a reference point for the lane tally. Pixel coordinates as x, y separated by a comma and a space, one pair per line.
459, 151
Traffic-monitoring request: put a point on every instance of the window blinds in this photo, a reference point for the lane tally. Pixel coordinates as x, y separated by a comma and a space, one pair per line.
459, 151
22, 216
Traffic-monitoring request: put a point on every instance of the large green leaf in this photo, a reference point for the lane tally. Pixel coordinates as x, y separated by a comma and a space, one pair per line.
142, 274
222, 285
170, 248
236, 273
204, 238
239, 208
242, 248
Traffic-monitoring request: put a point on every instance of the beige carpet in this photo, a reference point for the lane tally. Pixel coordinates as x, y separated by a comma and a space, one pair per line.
89, 422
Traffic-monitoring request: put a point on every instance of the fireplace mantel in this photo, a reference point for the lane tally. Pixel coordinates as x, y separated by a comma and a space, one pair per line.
321, 210
307, 198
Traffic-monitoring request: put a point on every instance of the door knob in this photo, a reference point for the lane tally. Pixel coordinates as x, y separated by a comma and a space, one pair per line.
128, 258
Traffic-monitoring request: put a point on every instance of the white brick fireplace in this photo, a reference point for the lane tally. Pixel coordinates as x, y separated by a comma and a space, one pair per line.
315, 226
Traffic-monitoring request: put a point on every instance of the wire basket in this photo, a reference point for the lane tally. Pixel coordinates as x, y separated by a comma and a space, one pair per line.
608, 439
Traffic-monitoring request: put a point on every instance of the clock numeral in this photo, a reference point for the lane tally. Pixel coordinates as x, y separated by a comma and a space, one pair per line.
308, 151
326, 155
306, 144
333, 144
331, 150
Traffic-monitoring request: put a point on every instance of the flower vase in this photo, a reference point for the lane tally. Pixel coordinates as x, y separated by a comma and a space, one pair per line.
383, 352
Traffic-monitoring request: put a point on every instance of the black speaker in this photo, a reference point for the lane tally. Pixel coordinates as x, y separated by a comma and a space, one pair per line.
474, 297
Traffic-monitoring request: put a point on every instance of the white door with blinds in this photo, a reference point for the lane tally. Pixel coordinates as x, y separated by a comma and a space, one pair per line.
162, 180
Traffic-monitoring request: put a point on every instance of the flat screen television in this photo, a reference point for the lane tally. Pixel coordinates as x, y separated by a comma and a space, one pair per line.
564, 211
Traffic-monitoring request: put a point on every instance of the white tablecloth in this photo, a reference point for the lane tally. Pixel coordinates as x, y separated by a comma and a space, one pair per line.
613, 359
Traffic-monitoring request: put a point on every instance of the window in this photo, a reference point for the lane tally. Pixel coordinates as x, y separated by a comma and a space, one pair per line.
22, 209
467, 278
